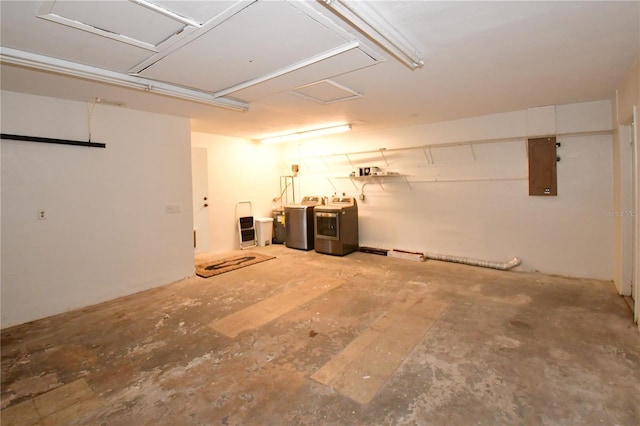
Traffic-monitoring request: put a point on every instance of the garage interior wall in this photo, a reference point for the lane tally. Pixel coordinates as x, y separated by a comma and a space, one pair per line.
479, 207
107, 232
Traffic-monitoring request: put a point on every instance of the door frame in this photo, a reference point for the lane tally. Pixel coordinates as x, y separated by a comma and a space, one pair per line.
627, 210
635, 214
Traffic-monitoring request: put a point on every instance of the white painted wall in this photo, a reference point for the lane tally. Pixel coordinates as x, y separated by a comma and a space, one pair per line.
239, 170
480, 213
107, 233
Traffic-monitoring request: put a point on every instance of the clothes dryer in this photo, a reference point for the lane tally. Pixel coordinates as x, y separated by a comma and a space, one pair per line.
336, 226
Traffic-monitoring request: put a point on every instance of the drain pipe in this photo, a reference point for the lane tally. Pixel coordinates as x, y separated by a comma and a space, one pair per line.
475, 262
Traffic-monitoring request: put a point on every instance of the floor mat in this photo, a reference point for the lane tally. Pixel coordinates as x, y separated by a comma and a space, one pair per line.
220, 266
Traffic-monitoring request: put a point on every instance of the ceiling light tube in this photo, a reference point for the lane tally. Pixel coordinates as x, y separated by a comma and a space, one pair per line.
98, 31
306, 134
167, 13
59, 66
362, 18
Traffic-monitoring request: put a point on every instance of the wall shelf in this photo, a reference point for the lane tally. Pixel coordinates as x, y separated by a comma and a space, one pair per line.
379, 179
426, 163
426, 149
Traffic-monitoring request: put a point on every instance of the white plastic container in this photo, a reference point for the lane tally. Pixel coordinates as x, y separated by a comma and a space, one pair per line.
264, 230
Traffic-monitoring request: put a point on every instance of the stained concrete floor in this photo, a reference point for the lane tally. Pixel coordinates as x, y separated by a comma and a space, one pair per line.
375, 340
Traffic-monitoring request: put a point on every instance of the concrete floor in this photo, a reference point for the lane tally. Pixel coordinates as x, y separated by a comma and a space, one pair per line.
355, 340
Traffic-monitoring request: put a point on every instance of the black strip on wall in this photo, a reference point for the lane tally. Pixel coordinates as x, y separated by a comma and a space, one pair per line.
51, 140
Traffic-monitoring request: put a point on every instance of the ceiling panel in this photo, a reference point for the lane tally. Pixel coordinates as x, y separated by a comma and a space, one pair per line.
348, 61
479, 59
263, 38
199, 11
326, 92
119, 17
21, 29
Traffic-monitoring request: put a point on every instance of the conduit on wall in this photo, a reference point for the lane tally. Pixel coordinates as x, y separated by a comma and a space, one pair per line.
52, 140
476, 262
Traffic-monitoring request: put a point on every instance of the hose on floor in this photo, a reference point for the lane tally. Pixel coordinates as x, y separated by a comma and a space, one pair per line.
476, 262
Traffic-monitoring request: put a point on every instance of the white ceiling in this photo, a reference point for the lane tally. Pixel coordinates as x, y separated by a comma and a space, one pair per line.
479, 58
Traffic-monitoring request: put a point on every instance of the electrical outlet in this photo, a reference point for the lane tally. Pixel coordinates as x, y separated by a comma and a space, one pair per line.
173, 209
42, 214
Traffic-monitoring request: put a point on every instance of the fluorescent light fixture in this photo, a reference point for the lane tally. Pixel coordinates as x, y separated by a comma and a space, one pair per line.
306, 134
364, 19
103, 101
59, 66
166, 12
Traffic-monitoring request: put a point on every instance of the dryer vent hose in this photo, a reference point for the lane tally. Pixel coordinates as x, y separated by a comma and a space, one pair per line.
475, 262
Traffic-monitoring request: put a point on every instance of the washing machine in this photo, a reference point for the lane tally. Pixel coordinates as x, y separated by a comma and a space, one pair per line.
299, 223
336, 226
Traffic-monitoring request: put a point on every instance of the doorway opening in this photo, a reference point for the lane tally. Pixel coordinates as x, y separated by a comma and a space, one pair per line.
200, 197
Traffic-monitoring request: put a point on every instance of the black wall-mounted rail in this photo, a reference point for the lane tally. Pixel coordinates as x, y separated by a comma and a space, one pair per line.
51, 140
